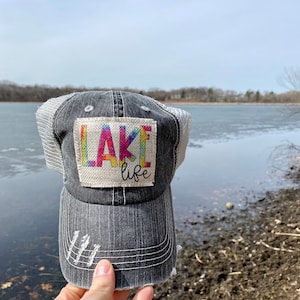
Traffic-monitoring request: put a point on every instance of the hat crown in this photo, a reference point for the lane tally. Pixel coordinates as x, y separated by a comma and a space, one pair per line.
125, 140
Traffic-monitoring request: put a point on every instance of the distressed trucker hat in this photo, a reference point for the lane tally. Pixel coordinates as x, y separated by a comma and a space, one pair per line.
118, 152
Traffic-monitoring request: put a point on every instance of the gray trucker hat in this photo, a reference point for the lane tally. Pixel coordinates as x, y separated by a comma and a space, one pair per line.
118, 152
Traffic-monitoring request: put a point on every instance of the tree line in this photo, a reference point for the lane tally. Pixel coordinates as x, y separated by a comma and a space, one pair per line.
11, 92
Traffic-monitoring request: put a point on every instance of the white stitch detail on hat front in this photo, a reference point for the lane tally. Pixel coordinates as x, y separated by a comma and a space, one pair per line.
74, 238
84, 243
124, 196
174, 272
93, 254
113, 197
178, 248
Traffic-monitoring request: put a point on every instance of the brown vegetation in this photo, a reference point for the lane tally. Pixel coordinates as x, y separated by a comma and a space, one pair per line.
254, 254
11, 92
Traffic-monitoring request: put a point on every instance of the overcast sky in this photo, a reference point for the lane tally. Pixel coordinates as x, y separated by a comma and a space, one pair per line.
228, 44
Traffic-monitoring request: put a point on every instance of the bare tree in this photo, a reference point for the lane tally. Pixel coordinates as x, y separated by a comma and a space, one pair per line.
290, 79
286, 156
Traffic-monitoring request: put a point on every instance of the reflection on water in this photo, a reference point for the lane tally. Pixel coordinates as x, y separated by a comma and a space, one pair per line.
238, 171
28, 238
20, 160
20, 148
29, 201
214, 123
31, 270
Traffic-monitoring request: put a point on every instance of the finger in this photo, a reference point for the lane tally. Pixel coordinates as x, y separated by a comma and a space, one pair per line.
121, 295
103, 282
144, 293
70, 292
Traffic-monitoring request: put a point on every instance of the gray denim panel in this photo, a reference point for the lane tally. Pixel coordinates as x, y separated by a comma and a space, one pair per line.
104, 104
139, 240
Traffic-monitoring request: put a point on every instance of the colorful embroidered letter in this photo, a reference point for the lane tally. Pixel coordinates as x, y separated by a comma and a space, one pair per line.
144, 136
106, 137
85, 161
125, 143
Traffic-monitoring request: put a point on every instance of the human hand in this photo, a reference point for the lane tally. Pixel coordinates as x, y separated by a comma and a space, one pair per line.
102, 288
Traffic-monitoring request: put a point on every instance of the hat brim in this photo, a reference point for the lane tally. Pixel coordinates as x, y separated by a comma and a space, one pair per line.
138, 239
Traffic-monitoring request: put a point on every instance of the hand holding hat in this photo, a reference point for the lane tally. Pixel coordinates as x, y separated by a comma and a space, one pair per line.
103, 287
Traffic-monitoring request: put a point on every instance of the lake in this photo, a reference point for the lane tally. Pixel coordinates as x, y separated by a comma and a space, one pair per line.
230, 157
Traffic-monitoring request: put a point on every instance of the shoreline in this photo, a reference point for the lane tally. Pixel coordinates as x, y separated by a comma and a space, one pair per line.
252, 254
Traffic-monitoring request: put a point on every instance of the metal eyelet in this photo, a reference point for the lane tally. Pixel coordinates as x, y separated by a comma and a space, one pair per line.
145, 108
88, 108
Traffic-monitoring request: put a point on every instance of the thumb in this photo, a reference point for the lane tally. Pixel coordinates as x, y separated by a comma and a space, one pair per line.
103, 284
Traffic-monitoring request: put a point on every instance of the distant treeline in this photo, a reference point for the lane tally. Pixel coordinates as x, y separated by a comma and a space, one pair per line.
11, 92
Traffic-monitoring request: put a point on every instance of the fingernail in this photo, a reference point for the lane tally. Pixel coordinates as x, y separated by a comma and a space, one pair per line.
102, 268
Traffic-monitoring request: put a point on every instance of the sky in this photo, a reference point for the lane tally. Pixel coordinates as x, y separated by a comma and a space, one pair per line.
156, 44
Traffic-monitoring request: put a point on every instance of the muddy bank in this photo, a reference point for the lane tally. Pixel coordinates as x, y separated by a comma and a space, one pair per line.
251, 255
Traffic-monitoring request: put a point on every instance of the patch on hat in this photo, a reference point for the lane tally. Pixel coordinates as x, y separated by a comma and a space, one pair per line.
115, 152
